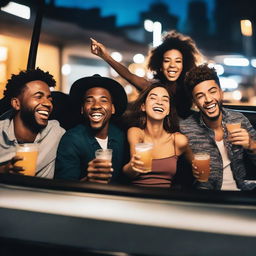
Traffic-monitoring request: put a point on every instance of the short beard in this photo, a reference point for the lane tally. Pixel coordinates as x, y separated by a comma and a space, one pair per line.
215, 117
28, 118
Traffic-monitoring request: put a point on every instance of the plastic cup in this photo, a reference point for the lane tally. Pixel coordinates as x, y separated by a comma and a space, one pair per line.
233, 126
144, 150
29, 153
202, 162
104, 154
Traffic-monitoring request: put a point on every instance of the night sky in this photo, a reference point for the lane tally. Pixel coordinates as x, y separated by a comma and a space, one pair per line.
127, 12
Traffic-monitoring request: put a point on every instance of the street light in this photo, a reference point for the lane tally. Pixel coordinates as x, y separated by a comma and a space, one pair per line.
156, 28
246, 30
246, 27
16, 9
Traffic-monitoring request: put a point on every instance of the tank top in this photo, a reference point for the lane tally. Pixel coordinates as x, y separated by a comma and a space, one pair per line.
163, 171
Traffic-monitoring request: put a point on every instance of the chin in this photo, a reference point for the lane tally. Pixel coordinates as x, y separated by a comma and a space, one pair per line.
96, 126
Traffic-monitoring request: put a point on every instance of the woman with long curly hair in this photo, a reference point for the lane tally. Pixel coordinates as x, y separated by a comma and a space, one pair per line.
169, 63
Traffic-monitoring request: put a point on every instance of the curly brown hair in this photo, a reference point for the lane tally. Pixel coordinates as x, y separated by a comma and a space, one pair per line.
191, 57
178, 41
200, 74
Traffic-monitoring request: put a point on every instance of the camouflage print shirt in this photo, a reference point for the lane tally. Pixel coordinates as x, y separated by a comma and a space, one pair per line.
201, 139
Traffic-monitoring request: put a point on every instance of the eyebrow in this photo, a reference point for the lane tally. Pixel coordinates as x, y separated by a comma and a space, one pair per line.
91, 96
42, 93
167, 57
213, 87
154, 94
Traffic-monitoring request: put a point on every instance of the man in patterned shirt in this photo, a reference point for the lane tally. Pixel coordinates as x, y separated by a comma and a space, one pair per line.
207, 132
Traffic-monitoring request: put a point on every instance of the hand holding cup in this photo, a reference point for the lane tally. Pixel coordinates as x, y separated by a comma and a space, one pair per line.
201, 166
100, 169
238, 135
142, 160
26, 158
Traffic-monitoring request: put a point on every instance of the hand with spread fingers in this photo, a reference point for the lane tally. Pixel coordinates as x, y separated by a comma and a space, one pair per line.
11, 167
99, 171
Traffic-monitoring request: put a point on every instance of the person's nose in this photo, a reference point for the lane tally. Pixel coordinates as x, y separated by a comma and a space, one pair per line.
96, 105
159, 102
47, 103
172, 64
208, 98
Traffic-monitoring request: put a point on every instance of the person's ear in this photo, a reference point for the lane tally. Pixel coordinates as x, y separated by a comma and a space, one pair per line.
143, 108
113, 109
15, 102
82, 110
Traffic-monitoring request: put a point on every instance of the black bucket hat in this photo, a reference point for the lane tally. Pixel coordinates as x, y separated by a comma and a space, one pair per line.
116, 90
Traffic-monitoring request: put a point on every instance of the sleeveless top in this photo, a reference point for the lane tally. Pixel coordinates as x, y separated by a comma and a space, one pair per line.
163, 171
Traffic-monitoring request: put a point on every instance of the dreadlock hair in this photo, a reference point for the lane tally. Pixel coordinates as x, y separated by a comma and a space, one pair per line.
16, 84
200, 74
138, 117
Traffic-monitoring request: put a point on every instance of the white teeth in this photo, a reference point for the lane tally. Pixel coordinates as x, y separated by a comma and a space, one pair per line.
96, 116
211, 106
158, 109
43, 112
172, 72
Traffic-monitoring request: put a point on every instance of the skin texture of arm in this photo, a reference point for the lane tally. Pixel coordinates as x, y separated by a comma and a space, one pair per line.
100, 50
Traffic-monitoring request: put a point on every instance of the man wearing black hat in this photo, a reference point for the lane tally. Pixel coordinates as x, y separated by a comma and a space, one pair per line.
98, 99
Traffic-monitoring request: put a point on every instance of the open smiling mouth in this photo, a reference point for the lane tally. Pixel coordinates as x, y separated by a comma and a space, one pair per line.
44, 114
158, 109
96, 117
172, 73
211, 108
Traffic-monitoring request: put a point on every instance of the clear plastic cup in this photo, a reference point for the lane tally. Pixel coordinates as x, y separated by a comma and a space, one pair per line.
233, 126
202, 162
144, 150
29, 153
104, 154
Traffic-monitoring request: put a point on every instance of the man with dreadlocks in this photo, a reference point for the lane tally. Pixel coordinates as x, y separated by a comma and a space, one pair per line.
30, 98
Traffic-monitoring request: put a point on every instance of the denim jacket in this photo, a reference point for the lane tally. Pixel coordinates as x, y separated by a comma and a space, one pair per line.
202, 139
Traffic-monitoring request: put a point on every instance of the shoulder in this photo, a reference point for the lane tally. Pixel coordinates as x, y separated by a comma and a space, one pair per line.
55, 126
181, 140
75, 132
190, 123
114, 129
135, 131
229, 113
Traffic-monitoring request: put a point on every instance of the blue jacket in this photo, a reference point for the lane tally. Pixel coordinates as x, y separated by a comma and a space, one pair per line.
201, 139
77, 147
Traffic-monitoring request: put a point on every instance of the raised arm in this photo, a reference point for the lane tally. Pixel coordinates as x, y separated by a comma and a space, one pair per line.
100, 50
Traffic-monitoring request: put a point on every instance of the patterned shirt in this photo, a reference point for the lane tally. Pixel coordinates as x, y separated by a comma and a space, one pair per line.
202, 139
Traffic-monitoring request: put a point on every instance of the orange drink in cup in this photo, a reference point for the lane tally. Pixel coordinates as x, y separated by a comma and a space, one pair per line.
29, 153
144, 150
233, 126
202, 162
